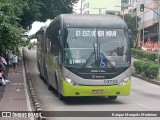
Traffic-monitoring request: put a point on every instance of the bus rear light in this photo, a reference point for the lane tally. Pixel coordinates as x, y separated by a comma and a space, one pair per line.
71, 82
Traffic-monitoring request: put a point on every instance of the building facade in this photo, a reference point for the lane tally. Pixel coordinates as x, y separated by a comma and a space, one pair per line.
149, 24
100, 6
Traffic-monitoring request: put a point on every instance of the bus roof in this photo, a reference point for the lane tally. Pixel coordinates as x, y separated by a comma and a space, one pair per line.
91, 20
42, 29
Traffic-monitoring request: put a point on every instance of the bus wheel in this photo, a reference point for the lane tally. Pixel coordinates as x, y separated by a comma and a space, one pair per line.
112, 97
60, 96
40, 75
48, 85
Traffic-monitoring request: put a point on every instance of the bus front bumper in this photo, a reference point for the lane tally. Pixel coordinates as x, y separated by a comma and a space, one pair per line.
82, 90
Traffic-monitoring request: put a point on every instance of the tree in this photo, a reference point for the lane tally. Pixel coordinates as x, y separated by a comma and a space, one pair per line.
10, 29
17, 15
131, 21
41, 10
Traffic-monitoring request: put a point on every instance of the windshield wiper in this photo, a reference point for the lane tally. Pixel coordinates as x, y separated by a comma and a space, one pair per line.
89, 58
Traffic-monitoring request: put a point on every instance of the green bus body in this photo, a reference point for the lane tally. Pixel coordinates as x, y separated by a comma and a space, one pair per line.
85, 55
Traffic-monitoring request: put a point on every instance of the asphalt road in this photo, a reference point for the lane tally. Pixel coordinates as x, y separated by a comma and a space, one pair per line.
144, 97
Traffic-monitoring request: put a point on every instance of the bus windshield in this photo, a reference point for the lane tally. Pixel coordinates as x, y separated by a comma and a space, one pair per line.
92, 47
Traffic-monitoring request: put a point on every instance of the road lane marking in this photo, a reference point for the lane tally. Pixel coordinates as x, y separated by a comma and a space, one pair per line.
144, 106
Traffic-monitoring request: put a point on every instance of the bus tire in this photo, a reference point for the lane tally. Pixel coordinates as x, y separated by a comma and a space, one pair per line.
40, 76
112, 97
60, 96
38, 66
48, 85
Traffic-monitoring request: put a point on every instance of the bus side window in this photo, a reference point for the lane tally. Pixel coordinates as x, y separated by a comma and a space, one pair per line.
55, 42
48, 45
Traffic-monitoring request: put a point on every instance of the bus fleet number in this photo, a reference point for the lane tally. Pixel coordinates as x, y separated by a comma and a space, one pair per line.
76, 61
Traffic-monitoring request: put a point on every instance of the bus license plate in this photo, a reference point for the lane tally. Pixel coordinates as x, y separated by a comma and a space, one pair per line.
97, 91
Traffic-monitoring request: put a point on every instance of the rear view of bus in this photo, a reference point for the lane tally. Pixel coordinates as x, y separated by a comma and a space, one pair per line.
94, 55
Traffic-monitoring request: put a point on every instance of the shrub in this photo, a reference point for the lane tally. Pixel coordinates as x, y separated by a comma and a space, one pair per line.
139, 53
137, 65
152, 56
150, 69
153, 71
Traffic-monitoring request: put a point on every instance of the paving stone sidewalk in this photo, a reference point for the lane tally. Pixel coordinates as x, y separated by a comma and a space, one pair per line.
15, 97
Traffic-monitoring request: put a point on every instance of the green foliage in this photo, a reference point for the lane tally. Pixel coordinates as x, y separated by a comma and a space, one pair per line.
41, 10
131, 21
152, 56
150, 69
137, 65
10, 29
139, 53
17, 15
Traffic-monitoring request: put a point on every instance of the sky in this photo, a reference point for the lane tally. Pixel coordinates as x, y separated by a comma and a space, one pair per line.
37, 25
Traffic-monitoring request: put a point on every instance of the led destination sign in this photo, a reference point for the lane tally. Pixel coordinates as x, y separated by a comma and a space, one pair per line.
92, 33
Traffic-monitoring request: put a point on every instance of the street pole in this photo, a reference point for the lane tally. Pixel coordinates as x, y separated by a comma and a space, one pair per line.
143, 30
158, 31
123, 10
136, 21
81, 6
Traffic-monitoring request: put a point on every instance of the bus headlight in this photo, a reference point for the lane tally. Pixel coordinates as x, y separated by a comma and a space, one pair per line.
71, 82
121, 83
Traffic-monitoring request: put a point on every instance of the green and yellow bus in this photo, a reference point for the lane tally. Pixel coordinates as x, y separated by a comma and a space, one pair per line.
85, 55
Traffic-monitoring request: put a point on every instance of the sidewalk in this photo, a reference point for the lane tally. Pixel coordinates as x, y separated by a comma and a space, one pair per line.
15, 97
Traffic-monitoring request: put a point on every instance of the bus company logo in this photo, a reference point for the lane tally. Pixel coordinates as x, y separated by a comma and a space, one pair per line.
98, 71
98, 77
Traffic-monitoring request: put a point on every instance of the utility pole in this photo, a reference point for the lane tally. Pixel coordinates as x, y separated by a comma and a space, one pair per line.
143, 30
158, 31
122, 8
142, 10
81, 6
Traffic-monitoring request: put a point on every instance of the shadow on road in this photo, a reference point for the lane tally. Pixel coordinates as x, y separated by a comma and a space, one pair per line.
84, 100
90, 100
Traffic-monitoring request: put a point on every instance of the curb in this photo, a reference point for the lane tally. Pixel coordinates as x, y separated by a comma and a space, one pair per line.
146, 79
31, 90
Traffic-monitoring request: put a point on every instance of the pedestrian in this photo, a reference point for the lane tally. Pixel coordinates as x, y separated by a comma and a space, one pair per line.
9, 55
2, 73
14, 61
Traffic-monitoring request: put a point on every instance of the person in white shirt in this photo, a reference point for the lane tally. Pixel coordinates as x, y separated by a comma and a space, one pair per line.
15, 61
9, 55
3, 60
